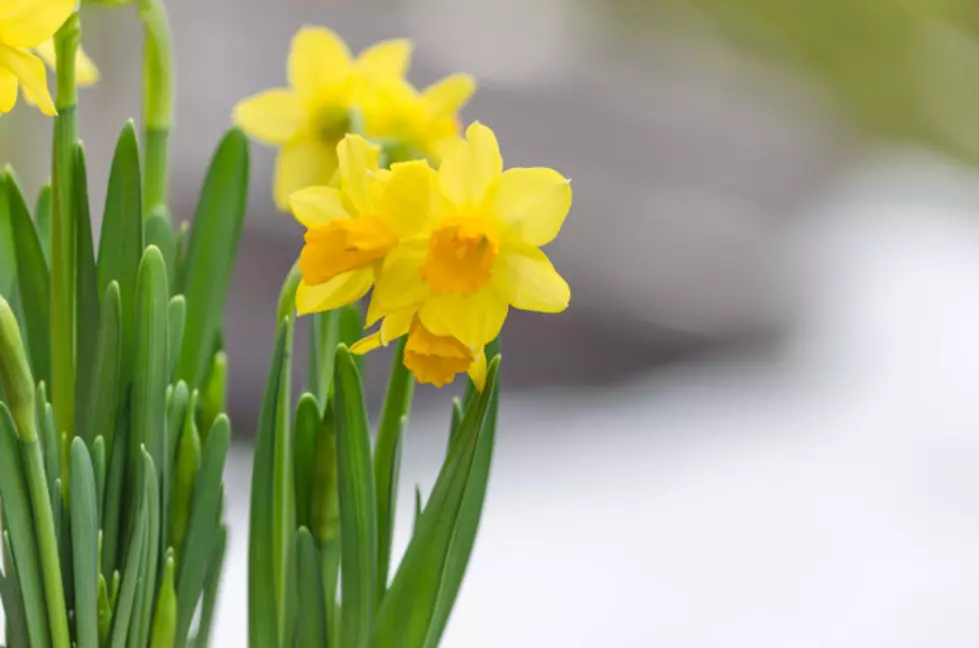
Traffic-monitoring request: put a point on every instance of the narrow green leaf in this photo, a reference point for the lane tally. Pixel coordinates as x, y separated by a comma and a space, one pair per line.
99, 467
121, 240
100, 390
159, 231
146, 593
457, 416
49, 442
358, 517
211, 252
324, 499
125, 612
419, 508
14, 614
165, 618
312, 626
262, 620
17, 511
180, 406
85, 546
42, 219
214, 393
211, 583
8, 249
150, 364
86, 302
112, 527
350, 328
34, 281
283, 493
330, 566
425, 586
387, 462
287, 294
307, 425
177, 318
204, 526
324, 334
105, 612
185, 474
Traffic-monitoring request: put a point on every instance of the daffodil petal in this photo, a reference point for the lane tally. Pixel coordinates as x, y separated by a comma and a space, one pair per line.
33, 21
86, 72
317, 206
358, 161
395, 325
477, 371
400, 284
470, 168
274, 116
8, 90
474, 319
341, 290
29, 71
449, 95
302, 163
319, 64
403, 197
534, 202
389, 58
526, 279
366, 344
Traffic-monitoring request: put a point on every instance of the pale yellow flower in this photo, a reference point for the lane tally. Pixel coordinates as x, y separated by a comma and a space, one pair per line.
479, 252
307, 119
25, 24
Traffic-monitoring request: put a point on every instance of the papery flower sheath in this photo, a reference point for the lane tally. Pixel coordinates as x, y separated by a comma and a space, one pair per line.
24, 25
307, 119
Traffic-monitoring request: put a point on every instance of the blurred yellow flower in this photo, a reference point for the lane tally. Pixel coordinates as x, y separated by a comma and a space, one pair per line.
351, 229
308, 119
25, 24
479, 252
433, 359
86, 73
415, 124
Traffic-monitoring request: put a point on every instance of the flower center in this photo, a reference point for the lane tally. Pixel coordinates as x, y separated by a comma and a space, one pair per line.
461, 254
342, 245
332, 123
434, 359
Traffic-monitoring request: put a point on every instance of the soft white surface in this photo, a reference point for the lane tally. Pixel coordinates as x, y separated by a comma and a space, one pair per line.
825, 496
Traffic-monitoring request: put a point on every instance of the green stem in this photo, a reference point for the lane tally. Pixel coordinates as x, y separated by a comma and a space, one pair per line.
157, 101
47, 542
63, 228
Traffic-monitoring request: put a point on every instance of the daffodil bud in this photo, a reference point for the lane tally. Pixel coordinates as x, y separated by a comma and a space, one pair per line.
165, 617
214, 394
15, 375
325, 502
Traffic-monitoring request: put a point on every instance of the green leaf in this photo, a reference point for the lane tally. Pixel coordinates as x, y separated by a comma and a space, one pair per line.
203, 530
49, 442
324, 334
417, 605
125, 613
15, 616
121, 241
387, 462
358, 518
85, 546
105, 612
34, 281
100, 389
150, 363
307, 424
165, 618
17, 511
262, 619
312, 626
143, 610
99, 467
214, 393
159, 232
458, 414
185, 474
8, 249
177, 318
211, 582
324, 498
419, 508
283, 494
180, 406
86, 302
350, 328
112, 529
330, 566
211, 252
42, 219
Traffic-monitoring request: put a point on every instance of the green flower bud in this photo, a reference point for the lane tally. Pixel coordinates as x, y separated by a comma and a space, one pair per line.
15, 375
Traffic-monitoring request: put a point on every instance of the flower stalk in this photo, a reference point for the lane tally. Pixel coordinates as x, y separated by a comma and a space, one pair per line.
158, 82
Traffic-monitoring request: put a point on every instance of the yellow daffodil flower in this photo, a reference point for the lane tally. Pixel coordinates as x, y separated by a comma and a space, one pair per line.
416, 124
308, 119
351, 229
86, 73
433, 359
25, 24
479, 253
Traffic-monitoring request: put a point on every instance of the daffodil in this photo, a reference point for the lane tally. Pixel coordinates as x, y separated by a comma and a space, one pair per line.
433, 359
351, 229
25, 24
308, 119
415, 124
479, 252
86, 72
